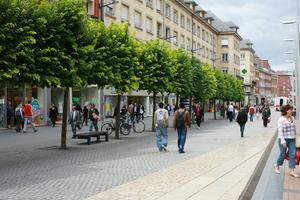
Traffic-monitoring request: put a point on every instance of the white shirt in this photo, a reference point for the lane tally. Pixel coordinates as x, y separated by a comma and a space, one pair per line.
230, 108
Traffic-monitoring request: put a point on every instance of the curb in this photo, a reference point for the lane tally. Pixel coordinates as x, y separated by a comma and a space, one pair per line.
250, 188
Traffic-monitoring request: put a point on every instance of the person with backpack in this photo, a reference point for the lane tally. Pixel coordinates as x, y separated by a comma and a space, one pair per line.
251, 112
182, 120
266, 114
241, 119
161, 119
19, 117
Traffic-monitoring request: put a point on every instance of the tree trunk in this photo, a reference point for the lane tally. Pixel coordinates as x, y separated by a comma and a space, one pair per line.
215, 112
177, 100
203, 110
64, 121
154, 107
191, 104
117, 134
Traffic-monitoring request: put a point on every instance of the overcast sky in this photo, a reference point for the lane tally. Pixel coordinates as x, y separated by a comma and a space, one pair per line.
261, 22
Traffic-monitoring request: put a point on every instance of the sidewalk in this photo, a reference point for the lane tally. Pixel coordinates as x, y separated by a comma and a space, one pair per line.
219, 174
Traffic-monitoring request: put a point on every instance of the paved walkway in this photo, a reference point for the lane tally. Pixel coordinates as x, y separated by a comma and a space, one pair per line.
217, 164
219, 174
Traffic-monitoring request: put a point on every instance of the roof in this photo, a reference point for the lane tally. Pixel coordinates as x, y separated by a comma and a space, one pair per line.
220, 25
190, 1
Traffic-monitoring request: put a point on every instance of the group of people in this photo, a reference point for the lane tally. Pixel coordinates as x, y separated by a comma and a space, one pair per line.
24, 117
181, 121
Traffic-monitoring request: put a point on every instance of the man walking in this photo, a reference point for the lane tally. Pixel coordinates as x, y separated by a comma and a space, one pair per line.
28, 117
242, 118
19, 117
74, 118
182, 120
230, 112
198, 115
161, 121
266, 114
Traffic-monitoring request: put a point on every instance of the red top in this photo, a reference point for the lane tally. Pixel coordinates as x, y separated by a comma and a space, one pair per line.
28, 110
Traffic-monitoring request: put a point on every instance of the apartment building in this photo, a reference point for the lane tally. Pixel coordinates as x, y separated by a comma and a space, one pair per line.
247, 70
287, 83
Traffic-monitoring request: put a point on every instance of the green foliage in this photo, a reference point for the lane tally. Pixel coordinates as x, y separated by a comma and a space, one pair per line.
181, 83
157, 61
121, 58
204, 81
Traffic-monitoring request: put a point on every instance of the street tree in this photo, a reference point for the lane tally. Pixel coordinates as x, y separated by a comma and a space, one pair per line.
157, 60
121, 59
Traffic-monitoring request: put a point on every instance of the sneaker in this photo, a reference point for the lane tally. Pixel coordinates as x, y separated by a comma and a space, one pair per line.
35, 130
294, 175
276, 168
24, 131
164, 147
181, 151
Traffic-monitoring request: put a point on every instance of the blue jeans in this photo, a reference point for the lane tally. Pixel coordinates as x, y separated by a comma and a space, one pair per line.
161, 137
242, 128
93, 123
290, 143
181, 138
251, 117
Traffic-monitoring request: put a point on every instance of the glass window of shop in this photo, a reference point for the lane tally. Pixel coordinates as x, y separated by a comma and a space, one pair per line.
2, 107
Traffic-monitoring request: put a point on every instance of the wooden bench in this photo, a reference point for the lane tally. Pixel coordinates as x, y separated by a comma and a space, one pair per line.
90, 134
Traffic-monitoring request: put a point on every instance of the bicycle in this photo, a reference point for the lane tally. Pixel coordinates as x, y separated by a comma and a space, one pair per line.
137, 125
110, 125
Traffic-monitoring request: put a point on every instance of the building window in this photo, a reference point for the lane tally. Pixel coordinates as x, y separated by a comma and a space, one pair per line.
175, 34
149, 25
207, 37
188, 44
149, 3
194, 46
224, 43
211, 39
225, 57
225, 70
198, 49
168, 33
168, 11
203, 34
159, 30
182, 21
158, 5
137, 19
182, 41
194, 28
198, 32
175, 16
124, 13
203, 51
207, 53
188, 24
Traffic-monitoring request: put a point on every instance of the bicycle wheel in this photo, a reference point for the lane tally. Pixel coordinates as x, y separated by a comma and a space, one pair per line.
125, 129
107, 127
139, 126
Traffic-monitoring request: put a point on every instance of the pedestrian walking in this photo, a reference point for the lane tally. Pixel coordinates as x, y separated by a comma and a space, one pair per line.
258, 112
230, 112
242, 118
74, 117
93, 117
28, 117
53, 113
142, 111
182, 120
266, 115
286, 139
19, 117
9, 113
251, 112
85, 115
161, 119
198, 115
131, 111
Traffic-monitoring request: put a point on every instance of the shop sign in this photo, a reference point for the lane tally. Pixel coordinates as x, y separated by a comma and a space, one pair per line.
76, 99
35, 105
1, 101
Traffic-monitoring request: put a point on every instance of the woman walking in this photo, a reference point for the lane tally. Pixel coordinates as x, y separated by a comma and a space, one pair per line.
286, 139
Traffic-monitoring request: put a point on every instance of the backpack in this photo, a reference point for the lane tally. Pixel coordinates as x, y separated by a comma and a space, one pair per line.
265, 112
252, 111
18, 113
180, 122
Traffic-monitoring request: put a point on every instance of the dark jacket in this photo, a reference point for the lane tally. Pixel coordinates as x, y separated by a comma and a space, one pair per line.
53, 112
242, 117
91, 111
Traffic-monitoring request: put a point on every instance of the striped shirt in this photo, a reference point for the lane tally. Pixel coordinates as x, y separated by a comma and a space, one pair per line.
286, 129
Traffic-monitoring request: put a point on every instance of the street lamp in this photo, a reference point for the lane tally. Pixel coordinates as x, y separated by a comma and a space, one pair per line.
289, 40
102, 6
288, 52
